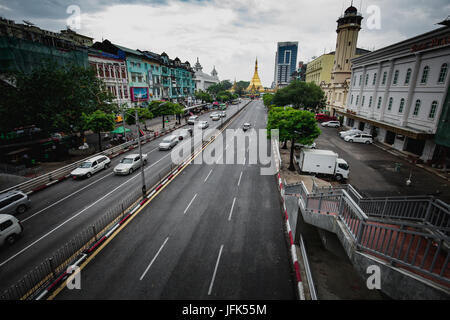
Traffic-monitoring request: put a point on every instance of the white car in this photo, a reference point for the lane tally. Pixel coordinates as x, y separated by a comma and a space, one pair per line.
214, 114
298, 146
223, 114
182, 134
334, 124
361, 138
10, 229
130, 163
89, 167
350, 132
216, 117
203, 124
192, 119
169, 142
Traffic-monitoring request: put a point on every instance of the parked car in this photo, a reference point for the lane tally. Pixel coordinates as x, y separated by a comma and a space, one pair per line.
10, 229
182, 134
130, 163
334, 124
360, 137
168, 142
246, 126
13, 202
320, 117
192, 119
299, 146
203, 124
216, 117
91, 166
350, 132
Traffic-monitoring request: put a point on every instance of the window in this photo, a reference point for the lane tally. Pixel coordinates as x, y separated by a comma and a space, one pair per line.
351, 100
374, 78
391, 101
425, 72
402, 104
357, 99
384, 78
443, 73
16, 197
360, 80
354, 80
5, 225
416, 108
379, 103
433, 110
362, 102
370, 101
367, 79
408, 76
395, 77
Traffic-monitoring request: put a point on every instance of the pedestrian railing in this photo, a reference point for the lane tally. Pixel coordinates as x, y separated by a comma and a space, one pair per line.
411, 232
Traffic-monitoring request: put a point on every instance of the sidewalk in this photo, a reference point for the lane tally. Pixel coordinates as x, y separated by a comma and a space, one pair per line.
412, 159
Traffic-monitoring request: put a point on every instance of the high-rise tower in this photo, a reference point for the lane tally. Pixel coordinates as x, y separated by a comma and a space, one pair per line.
348, 28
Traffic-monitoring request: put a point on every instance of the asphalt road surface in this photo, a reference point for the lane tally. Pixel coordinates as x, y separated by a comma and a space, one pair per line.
66, 208
215, 232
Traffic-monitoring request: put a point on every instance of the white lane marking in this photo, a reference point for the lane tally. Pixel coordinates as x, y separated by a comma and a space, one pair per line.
239, 182
74, 216
187, 208
208, 175
232, 207
215, 271
153, 260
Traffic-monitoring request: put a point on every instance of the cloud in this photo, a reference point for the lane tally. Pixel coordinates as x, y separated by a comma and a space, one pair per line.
230, 33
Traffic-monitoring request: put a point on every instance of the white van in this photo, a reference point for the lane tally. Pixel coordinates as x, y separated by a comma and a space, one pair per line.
89, 167
10, 229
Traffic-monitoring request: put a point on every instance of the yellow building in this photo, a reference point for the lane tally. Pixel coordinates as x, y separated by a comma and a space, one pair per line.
320, 69
255, 84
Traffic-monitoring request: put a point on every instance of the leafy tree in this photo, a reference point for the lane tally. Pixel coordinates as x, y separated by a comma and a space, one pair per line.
203, 96
165, 108
267, 99
144, 114
53, 98
218, 87
294, 125
300, 94
98, 121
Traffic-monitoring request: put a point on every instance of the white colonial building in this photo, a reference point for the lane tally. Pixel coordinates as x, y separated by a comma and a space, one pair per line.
204, 80
399, 92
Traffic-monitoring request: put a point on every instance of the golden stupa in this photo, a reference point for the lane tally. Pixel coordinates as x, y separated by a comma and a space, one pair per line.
255, 83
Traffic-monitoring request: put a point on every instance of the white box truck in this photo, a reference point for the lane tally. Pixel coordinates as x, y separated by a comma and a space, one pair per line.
325, 162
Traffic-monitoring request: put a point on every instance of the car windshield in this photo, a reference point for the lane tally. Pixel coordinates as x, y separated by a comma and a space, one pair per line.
168, 139
86, 165
126, 160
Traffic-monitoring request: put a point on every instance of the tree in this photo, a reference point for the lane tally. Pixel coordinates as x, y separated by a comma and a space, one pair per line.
98, 121
203, 96
165, 108
294, 125
218, 87
267, 99
53, 98
300, 94
144, 114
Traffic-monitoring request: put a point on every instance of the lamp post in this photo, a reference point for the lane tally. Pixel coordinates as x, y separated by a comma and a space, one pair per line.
144, 187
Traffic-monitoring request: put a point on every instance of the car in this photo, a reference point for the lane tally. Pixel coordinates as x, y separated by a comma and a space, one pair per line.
203, 124
246, 126
334, 124
360, 137
350, 132
223, 114
214, 114
169, 142
13, 202
10, 229
130, 163
192, 119
87, 168
216, 117
182, 133
299, 146
320, 117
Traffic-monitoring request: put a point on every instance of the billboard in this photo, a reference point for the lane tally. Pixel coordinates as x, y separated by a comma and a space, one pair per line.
139, 94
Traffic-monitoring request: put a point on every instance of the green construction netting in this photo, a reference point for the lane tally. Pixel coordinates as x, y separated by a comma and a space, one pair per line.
23, 55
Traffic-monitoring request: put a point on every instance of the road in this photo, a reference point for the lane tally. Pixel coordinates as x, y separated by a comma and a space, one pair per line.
372, 170
215, 232
60, 212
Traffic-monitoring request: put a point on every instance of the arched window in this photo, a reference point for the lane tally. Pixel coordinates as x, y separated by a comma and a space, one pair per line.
433, 108
408, 76
416, 108
396, 77
425, 72
367, 79
374, 78
379, 103
402, 104
443, 73
384, 77
370, 101
391, 101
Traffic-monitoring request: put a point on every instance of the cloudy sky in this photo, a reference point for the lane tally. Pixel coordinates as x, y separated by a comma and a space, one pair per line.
231, 33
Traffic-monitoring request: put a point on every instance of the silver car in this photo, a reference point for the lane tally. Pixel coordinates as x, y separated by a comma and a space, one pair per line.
10, 229
130, 163
168, 142
13, 202
203, 124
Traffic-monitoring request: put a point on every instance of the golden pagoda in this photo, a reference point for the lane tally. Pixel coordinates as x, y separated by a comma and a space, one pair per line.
255, 83
234, 87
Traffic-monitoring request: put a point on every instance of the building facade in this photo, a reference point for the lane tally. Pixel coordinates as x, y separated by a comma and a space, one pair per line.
399, 93
203, 80
319, 69
285, 63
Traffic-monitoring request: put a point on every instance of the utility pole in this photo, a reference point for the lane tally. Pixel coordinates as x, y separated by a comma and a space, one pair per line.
144, 188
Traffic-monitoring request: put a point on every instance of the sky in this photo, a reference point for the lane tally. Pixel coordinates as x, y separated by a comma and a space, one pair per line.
230, 34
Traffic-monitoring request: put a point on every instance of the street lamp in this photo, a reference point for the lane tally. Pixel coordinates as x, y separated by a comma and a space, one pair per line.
144, 187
